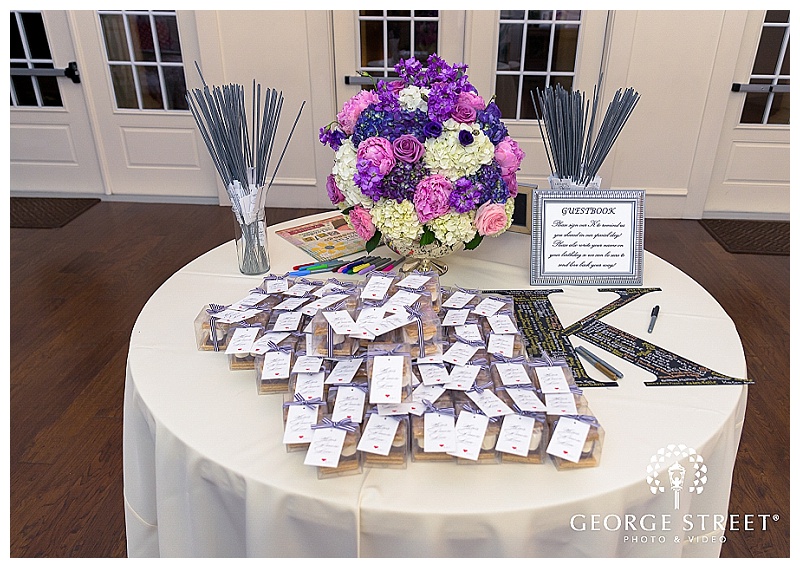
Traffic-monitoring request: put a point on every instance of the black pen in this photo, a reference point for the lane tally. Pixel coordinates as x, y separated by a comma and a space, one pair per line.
653, 316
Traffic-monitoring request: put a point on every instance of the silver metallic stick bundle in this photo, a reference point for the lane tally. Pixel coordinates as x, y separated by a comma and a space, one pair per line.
567, 129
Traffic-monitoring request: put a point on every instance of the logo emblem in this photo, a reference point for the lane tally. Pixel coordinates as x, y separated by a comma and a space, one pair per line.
668, 460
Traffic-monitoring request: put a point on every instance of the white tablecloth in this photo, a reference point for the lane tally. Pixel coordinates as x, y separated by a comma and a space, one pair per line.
206, 474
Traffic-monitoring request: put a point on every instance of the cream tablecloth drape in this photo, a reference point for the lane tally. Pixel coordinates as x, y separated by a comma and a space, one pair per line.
206, 474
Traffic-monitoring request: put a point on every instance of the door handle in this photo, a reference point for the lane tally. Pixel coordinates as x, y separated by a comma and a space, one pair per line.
739, 88
70, 71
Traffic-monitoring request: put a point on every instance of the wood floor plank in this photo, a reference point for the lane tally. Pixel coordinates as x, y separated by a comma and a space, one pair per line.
93, 276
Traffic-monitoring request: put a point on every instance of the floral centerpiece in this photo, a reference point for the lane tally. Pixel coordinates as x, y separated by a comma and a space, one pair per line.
423, 161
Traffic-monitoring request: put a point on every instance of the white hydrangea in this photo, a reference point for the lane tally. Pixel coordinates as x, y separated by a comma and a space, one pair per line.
452, 228
344, 169
396, 220
446, 155
413, 98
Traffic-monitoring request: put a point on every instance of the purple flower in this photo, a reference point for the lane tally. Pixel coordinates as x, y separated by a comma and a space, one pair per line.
432, 198
465, 196
400, 183
334, 193
408, 149
465, 137
432, 129
463, 113
378, 151
333, 137
368, 178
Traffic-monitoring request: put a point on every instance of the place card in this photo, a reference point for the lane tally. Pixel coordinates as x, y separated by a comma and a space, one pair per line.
261, 344
502, 323
399, 300
488, 402
488, 307
249, 301
527, 400
568, 439
455, 317
552, 379
515, 435
386, 324
341, 322
287, 321
512, 374
310, 385
344, 371
323, 302
501, 343
439, 432
290, 304
277, 286
376, 287
433, 374
326, 447
326, 289
235, 316
413, 281
386, 384
458, 300
276, 365
459, 353
349, 404
378, 434
426, 392
395, 409
470, 332
470, 431
462, 377
307, 364
299, 289
242, 340
561, 403
299, 419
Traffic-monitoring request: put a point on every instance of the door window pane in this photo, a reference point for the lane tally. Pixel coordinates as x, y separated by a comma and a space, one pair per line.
536, 48
387, 36
770, 67
144, 59
30, 49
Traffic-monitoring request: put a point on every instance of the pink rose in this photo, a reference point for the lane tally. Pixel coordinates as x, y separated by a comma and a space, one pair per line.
431, 198
408, 149
334, 193
490, 219
377, 151
353, 108
471, 99
511, 184
508, 156
362, 222
463, 113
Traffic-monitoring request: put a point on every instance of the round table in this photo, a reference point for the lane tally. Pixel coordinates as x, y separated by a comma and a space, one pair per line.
206, 473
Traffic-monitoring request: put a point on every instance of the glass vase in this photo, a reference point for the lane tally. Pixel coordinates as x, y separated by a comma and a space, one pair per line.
423, 257
251, 244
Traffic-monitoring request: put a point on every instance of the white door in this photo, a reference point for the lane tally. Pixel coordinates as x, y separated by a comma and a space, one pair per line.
750, 177
52, 148
127, 123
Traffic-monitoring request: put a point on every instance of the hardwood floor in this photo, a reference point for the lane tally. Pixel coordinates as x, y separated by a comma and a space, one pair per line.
93, 276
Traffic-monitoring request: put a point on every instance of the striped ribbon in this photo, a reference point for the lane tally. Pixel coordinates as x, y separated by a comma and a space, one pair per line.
414, 312
470, 342
362, 386
466, 290
300, 401
396, 350
212, 322
247, 324
479, 362
429, 407
469, 408
520, 386
585, 418
500, 358
538, 416
575, 389
309, 282
480, 388
343, 424
259, 290
272, 346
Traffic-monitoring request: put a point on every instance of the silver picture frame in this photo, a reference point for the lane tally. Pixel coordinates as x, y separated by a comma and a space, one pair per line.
592, 237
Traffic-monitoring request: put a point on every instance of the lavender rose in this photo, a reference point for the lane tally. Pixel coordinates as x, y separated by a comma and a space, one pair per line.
334, 193
378, 151
432, 197
463, 113
408, 149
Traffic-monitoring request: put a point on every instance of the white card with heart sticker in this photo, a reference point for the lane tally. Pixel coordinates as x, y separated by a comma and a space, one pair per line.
287, 321
488, 402
488, 307
426, 392
242, 340
310, 385
341, 322
433, 374
462, 378
235, 316
559, 404
326, 447
513, 373
515, 434
367, 315
349, 404
458, 300
459, 353
501, 343
299, 289
344, 371
470, 332
378, 434
455, 317
413, 281
400, 299
526, 400
307, 364
376, 287
394, 409
299, 419
502, 323
470, 430
386, 382
249, 301
552, 379
290, 304
261, 344
277, 286
276, 365
568, 439
440, 432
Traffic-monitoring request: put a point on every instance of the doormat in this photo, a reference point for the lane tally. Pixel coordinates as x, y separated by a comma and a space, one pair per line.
750, 237
46, 212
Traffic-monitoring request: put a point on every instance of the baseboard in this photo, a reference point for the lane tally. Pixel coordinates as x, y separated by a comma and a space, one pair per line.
746, 216
179, 199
